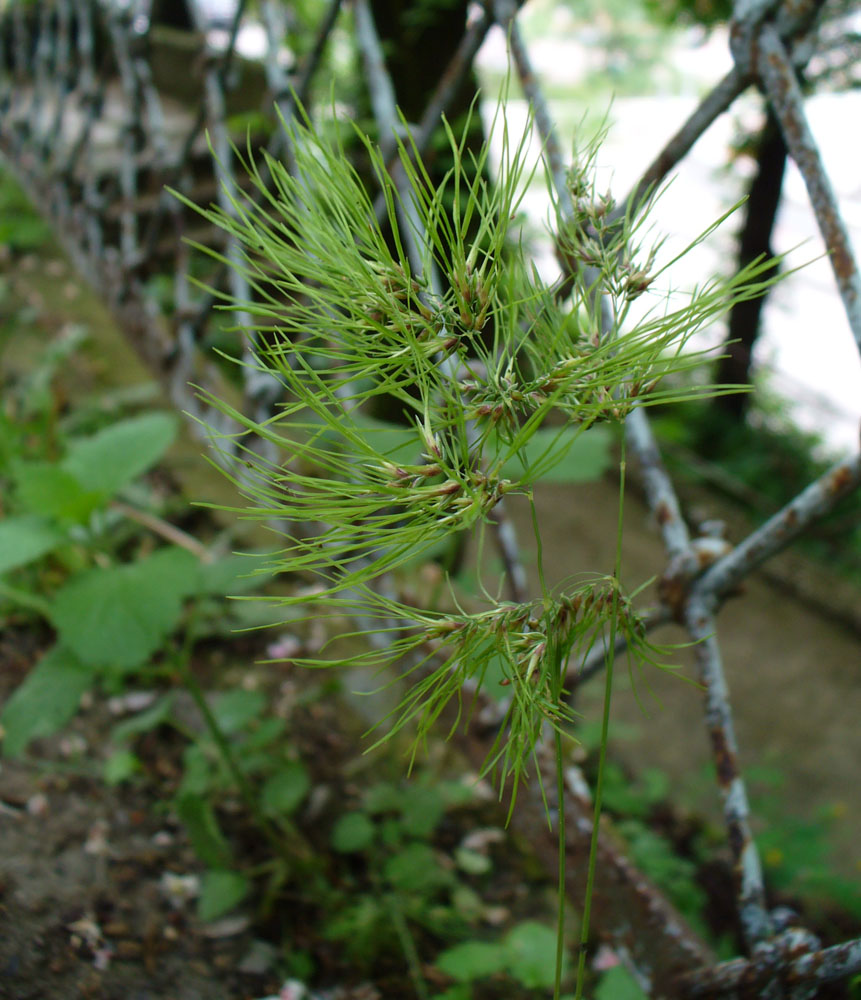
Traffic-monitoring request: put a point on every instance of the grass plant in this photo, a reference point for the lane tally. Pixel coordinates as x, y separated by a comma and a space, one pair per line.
68, 537
491, 374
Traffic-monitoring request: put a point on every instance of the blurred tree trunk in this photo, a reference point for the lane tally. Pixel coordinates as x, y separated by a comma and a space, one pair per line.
419, 38
745, 317
174, 13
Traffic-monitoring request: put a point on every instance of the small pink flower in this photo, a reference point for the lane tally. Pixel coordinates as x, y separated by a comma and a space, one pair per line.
284, 648
292, 990
605, 959
102, 957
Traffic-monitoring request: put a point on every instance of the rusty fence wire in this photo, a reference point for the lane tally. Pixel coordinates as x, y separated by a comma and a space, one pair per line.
95, 134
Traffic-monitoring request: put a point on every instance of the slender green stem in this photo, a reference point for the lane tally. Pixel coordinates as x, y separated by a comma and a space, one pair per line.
408, 946
26, 599
297, 848
560, 900
222, 745
605, 736
539, 550
402, 928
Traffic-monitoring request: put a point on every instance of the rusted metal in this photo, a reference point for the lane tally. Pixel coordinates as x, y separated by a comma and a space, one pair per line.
382, 94
506, 15
119, 24
674, 584
817, 499
286, 97
798, 968
778, 75
659, 489
753, 915
262, 389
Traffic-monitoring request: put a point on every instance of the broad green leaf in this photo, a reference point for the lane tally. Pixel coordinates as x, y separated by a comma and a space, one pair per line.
24, 539
234, 574
530, 950
383, 797
391, 833
116, 618
198, 772
24, 232
415, 869
108, 460
198, 817
283, 791
220, 891
45, 700
20, 227
233, 710
263, 735
472, 862
582, 456
468, 904
353, 832
618, 984
359, 924
630, 797
120, 766
422, 807
44, 488
657, 859
456, 793
461, 991
472, 960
